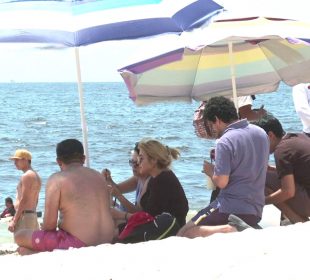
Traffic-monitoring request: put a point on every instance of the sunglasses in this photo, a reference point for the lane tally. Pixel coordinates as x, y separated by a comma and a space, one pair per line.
133, 163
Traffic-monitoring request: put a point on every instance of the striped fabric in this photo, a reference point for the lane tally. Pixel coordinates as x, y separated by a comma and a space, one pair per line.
260, 63
83, 22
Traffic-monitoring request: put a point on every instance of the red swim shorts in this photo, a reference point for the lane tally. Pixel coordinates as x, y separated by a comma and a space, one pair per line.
55, 239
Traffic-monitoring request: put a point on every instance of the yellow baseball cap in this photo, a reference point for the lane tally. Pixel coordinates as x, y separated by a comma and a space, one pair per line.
21, 154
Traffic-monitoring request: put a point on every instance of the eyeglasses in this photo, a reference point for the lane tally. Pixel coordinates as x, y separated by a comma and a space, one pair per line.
133, 163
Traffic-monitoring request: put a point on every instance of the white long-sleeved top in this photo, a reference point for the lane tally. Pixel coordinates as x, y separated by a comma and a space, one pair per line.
301, 98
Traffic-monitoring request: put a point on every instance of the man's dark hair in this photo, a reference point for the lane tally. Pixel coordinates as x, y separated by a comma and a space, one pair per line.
9, 200
222, 108
70, 150
270, 123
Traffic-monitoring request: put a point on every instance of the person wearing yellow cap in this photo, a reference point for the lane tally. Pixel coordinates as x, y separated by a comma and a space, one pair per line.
27, 197
77, 206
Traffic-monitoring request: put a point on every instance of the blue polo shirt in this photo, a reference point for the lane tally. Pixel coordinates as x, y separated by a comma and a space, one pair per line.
242, 153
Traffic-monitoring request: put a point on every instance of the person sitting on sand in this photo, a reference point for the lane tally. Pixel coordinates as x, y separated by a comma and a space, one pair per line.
242, 152
245, 111
137, 182
81, 197
27, 197
9, 210
164, 191
288, 183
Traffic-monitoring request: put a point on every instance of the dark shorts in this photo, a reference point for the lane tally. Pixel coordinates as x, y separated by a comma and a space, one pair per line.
211, 216
300, 203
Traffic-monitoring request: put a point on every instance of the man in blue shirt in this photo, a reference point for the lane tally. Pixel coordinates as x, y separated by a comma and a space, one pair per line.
242, 153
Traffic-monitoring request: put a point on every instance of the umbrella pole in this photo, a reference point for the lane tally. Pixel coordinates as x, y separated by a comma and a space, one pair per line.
81, 98
233, 74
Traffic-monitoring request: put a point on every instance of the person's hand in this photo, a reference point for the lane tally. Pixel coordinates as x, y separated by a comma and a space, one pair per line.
11, 227
106, 174
207, 168
114, 191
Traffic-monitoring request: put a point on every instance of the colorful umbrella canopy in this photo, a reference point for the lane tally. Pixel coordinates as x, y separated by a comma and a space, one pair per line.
250, 62
79, 22
75, 23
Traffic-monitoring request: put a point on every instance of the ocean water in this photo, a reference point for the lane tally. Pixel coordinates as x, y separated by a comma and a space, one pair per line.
37, 116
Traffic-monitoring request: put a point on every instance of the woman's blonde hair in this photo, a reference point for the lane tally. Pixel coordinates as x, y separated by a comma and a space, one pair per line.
159, 152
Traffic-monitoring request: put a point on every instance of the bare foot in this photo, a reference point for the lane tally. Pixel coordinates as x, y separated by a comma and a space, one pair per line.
23, 251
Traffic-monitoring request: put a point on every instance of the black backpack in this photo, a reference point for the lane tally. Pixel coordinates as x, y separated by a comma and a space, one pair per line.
163, 226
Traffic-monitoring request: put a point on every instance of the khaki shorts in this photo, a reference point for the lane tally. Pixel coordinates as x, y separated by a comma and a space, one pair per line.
27, 221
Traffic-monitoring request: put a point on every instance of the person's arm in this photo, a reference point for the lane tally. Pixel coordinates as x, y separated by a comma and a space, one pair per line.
286, 191
301, 103
52, 203
25, 196
120, 215
123, 200
3, 213
128, 185
220, 181
250, 114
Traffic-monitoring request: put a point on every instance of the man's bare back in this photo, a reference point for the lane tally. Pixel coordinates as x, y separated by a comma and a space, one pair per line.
77, 206
82, 197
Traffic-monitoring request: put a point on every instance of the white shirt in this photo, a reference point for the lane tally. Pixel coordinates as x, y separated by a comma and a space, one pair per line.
244, 100
301, 98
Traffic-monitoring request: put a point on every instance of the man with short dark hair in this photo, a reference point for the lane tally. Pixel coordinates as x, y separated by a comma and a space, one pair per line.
27, 197
288, 184
242, 152
81, 197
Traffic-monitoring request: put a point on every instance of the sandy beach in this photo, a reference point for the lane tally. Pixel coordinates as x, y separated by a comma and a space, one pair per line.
271, 253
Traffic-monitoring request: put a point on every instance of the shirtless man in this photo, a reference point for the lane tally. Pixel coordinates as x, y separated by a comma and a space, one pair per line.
81, 196
27, 196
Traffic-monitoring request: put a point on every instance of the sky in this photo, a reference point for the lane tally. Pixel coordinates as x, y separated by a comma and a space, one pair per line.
99, 62
29, 63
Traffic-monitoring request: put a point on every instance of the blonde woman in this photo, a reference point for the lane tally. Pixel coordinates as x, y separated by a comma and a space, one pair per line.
164, 191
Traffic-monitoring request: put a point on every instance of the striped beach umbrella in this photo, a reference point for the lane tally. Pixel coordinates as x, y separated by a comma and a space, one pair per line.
238, 57
76, 23
84, 22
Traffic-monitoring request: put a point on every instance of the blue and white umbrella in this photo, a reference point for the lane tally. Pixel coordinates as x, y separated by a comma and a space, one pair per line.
75, 23
80, 23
